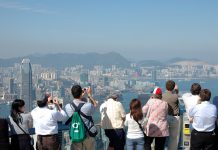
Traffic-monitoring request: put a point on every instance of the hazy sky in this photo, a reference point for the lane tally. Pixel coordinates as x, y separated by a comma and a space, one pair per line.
138, 29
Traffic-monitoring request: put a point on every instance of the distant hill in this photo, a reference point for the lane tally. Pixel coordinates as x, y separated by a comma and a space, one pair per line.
150, 63
61, 60
178, 59
190, 62
88, 60
174, 61
181, 61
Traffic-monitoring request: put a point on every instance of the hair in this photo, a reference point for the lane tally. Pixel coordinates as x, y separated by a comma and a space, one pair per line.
136, 109
42, 103
15, 110
76, 91
170, 85
195, 89
159, 96
205, 95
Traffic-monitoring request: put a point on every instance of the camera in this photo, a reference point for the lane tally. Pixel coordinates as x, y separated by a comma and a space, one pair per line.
51, 101
85, 88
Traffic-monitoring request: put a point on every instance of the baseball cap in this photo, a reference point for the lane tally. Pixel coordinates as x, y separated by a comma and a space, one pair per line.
157, 91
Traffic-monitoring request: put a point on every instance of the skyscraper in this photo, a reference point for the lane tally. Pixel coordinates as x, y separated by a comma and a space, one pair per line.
11, 86
26, 83
84, 78
154, 75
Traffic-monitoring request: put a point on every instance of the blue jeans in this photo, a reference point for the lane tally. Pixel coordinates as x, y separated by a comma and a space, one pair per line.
137, 143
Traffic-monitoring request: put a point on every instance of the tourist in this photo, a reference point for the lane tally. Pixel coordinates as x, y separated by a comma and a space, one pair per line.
204, 117
134, 122
215, 102
19, 123
171, 97
46, 123
112, 121
156, 111
191, 99
87, 109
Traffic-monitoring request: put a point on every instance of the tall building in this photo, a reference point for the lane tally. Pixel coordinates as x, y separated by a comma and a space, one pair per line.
26, 83
84, 78
106, 81
11, 88
154, 75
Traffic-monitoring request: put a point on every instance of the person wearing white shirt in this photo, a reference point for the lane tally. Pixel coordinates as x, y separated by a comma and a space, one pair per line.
112, 121
45, 121
134, 123
191, 99
204, 117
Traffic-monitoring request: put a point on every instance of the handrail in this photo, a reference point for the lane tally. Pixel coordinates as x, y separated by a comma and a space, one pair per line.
61, 127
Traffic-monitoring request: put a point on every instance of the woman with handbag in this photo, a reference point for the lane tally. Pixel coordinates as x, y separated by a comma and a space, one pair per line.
19, 123
157, 127
135, 134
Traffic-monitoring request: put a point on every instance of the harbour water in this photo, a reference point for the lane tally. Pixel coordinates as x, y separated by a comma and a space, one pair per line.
184, 86
102, 141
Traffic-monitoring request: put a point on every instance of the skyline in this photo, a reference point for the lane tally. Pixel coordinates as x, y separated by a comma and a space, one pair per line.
137, 30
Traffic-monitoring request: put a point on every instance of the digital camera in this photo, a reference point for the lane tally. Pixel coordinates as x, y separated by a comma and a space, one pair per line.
85, 88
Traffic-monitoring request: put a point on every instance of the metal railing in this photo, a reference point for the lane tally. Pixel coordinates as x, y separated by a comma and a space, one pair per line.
64, 138
102, 141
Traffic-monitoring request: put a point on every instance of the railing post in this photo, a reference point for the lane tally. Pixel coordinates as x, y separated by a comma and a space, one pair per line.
4, 137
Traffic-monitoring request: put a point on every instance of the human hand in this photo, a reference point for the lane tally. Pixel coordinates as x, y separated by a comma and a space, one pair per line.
191, 119
176, 87
50, 99
55, 101
89, 91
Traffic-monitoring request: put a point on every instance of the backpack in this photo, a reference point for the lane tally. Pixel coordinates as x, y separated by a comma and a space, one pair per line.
89, 125
77, 128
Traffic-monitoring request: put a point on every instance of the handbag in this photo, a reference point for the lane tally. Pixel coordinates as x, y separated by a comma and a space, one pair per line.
145, 120
31, 138
140, 126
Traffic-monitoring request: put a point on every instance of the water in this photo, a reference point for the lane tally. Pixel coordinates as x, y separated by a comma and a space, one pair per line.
4, 110
184, 86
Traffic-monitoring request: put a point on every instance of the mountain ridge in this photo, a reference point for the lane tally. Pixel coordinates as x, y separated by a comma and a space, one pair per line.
61, 60
88, 60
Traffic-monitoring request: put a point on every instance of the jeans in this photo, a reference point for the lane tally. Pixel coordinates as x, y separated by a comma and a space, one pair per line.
137, 143
174, 132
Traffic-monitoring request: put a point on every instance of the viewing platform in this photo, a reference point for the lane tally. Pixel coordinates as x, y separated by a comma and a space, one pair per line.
101, 140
